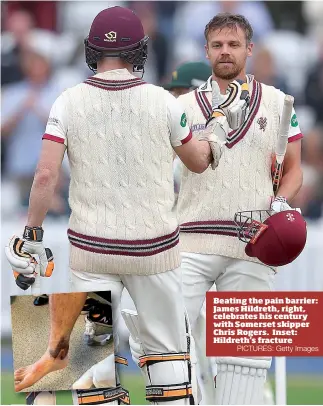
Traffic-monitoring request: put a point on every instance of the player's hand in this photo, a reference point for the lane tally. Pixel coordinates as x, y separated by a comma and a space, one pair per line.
280, 204
101, 375
21, 252
215, 134
235, 106
217, 127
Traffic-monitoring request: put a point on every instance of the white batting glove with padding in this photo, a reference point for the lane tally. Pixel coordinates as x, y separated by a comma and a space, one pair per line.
280, 204
216, 134
236, 104
20, 254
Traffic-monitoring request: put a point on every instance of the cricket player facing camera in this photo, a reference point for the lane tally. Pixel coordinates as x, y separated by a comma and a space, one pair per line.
209, 205
119, 133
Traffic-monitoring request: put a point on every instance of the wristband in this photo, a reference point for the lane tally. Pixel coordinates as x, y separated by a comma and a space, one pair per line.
33, 234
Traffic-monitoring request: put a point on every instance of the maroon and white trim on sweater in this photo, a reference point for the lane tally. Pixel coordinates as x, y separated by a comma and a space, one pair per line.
235, 135
135, 248
114, 85
186, 139
220, 227
295, 137
53, 138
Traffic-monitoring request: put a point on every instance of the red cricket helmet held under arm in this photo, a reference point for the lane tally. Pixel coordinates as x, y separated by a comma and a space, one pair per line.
275, 239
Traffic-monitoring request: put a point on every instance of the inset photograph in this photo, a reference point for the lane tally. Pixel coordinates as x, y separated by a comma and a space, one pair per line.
63, 341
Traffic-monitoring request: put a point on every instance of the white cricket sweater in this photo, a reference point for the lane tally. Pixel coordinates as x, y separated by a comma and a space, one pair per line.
207, 202
121, 191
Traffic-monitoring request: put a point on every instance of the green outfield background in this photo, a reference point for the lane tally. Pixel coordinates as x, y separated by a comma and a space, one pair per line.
307, 390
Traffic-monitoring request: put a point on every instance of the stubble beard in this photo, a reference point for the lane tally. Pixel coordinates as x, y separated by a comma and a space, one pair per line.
227, 74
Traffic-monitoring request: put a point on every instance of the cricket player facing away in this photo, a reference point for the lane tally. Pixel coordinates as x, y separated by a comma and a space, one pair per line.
119, 134
211, 251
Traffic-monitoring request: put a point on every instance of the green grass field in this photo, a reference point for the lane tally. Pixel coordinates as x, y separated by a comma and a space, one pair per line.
306, 390
133, 383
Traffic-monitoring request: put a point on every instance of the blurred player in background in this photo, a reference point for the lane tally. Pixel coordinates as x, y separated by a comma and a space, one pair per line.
212, 253
120, 134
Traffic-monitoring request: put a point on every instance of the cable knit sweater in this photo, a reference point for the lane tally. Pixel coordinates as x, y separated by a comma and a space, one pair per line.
121, 191
208, 202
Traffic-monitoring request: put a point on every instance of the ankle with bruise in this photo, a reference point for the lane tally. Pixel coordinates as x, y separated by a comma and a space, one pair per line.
59, 350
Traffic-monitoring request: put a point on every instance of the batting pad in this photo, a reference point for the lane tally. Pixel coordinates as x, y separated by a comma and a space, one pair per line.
168, 377
241, 381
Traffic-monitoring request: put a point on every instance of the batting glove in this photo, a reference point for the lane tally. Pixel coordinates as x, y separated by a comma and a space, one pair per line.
236, 104
216, 134
20, 251
280, 204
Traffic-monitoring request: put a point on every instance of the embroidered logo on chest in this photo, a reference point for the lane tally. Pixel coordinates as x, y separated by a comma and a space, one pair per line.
262, 122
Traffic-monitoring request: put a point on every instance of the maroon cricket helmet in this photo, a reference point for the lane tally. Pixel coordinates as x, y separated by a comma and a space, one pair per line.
116, 32
275, 239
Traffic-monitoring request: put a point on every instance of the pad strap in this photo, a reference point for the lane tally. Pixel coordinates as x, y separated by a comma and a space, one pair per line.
103, 396
154, 358
167, 393
120, 360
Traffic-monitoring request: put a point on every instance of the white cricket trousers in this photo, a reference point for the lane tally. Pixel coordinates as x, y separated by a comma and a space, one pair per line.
159, 302
201, 271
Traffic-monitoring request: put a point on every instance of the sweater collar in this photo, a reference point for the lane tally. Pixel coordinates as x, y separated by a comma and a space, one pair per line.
207, 86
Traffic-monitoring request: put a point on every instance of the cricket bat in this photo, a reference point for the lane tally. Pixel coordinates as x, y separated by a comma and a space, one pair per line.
282, 142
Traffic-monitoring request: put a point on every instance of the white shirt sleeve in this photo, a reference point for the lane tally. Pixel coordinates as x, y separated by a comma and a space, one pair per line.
177, 122
294, 132
56, 128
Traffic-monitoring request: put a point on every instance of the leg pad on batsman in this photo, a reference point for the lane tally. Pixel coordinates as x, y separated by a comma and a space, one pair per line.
168, 377
241, 380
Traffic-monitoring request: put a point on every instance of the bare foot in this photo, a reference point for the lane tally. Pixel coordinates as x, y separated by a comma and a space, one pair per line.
27, 376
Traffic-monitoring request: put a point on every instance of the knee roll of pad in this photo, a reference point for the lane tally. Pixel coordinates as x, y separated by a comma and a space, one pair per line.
241, 380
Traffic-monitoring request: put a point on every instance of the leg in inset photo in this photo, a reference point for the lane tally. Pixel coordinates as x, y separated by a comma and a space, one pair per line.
77, 355
64, 310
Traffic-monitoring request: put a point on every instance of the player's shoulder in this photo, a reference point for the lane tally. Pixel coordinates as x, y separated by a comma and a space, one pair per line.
75, 88
155, 89
272, 94
70, 92
272, 90
187, 98
63, 99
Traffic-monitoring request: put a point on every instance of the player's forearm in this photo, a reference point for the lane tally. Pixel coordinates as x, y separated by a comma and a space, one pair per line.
41, 194
290, 184
202, 157
64, 311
